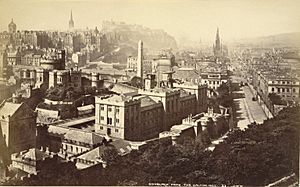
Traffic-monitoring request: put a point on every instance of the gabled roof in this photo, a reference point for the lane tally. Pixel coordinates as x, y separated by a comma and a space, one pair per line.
123, 88
94, 154
146, 101
121, 146
9, 109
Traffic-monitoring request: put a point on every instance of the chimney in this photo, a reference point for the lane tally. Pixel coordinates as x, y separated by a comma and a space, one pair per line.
140, 59
16, 98
210, 111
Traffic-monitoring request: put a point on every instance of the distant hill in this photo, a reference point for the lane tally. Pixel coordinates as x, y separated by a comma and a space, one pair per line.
130, 34
278, 40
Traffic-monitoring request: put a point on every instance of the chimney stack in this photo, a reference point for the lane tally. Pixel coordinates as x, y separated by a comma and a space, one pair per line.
140, 59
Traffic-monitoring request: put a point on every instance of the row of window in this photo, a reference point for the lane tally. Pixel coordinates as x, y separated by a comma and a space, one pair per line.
283, 89
109, 120
116, 130
72, 148
109, 108
283, 82
212, 82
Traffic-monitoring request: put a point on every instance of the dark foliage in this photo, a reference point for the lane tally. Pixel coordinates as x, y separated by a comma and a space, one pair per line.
276, 99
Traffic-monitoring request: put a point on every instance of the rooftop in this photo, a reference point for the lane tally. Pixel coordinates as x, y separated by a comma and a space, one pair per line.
9, 108
146, 101
33, 154
123, 88
84, 137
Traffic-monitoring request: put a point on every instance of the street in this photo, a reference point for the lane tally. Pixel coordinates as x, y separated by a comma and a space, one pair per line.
247, 111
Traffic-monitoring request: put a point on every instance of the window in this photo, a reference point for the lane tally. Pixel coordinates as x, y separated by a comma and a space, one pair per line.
278, 90
102, 107
283, 90
117, 120
102, 118
273, 89
283, 82
294, 90
209, 82
101, 128
109, 108
116, 130
117, 109
287, 90
76, 149
214, 82
218, 82
109, 121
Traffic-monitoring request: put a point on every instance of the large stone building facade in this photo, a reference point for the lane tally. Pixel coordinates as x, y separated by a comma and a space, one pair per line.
18, 124
143, 114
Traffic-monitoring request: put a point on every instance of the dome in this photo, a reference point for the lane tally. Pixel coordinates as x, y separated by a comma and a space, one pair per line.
12, 24
12, 27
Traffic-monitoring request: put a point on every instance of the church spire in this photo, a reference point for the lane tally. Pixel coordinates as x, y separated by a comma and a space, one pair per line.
218, 42
71, 16
71, 22
217, 45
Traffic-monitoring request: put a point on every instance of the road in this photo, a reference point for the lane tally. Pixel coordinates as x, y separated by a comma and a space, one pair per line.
247, 111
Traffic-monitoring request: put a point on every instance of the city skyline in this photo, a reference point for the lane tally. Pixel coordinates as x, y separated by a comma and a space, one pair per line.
236, 19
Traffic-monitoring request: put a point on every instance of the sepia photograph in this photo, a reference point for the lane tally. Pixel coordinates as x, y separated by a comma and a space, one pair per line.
149, 93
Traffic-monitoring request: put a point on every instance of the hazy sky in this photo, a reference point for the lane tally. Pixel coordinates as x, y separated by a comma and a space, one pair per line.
194, 19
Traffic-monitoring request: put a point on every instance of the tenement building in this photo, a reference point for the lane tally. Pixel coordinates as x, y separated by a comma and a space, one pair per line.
214, 76
284, 85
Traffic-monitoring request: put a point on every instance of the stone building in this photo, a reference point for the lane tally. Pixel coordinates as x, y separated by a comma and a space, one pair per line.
33, 161
53, 59
214, 75
3, 65
280, 83
13, 57
118, 116
18, 124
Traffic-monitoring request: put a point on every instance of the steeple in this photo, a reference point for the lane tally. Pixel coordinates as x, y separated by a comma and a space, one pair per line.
71, 16
71, 22
217, 48
218, 42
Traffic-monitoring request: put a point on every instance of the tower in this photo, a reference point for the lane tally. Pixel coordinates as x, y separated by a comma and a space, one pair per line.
217, 46
71, 22
12, 27
140, 59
